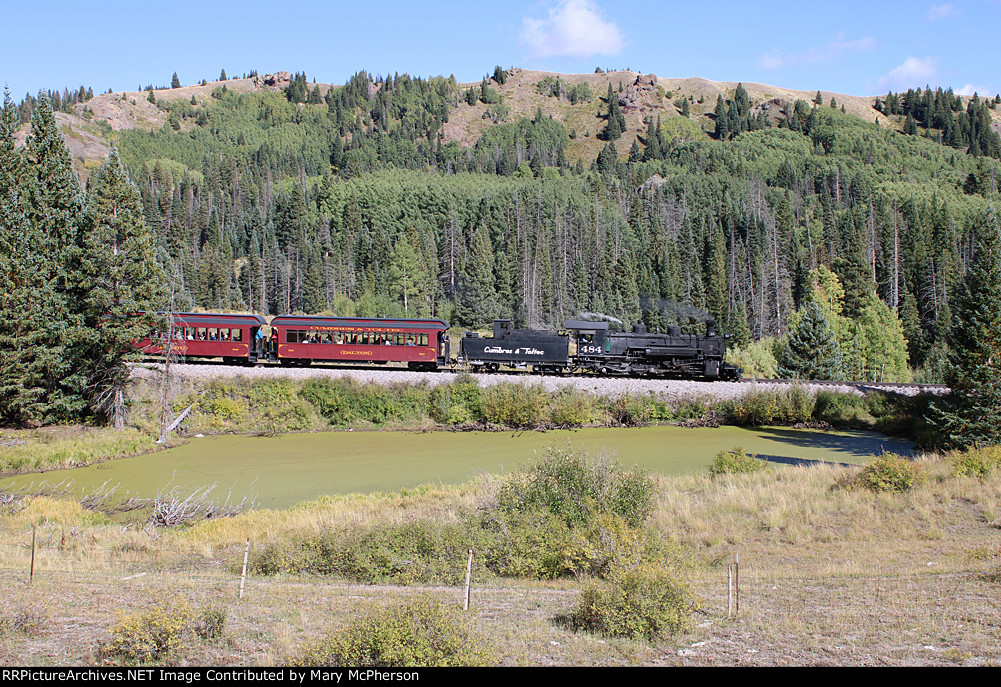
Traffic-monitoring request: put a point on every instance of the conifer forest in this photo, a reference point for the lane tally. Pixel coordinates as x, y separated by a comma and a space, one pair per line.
352, 200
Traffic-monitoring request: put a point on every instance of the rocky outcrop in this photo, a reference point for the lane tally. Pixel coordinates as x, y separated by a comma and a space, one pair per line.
642, 87
274, 82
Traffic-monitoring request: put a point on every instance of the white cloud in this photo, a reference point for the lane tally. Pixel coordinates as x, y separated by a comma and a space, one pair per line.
912, 73
828, 52
941, 12
970, 89
572, 28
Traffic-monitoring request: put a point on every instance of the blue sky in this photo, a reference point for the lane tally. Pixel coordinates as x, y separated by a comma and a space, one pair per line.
858, 48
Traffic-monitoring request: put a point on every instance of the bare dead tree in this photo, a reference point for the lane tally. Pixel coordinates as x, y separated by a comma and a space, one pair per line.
169, 508
168, 385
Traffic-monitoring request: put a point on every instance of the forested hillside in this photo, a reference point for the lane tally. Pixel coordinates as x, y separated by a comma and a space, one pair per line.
542, 197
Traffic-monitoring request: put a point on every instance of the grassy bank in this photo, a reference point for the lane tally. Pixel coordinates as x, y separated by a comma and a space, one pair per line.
56, 447
275, 406
897, 564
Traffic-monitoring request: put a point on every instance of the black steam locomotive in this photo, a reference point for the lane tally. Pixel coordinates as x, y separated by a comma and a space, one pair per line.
636, 353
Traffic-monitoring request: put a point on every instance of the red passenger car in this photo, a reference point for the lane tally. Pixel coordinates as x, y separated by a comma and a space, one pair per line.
421, 344
209, 335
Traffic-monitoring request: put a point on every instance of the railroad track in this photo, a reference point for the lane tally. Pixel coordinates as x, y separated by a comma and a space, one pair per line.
908, 388
880, 386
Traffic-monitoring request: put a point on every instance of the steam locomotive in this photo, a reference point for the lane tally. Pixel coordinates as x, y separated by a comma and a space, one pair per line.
597, 350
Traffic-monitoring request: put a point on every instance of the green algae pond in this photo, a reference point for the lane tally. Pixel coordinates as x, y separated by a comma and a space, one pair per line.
281, 471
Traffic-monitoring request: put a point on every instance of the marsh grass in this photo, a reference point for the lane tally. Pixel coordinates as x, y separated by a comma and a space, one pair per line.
57, 447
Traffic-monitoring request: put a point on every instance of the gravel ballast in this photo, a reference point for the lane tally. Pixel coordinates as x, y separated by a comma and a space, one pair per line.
601, 386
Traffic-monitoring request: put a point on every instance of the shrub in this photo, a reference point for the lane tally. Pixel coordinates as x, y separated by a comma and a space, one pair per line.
344, 401
457, 403
278, 407
639, 410
734, 462
24, 620
694, 409
420, 633
531, 544
647, 601
977, 463
574, 487
843, 410
224, 412
422, 551
571, 408
210, 623
890, 473
149, 635
785, 406
514, 405
569, 514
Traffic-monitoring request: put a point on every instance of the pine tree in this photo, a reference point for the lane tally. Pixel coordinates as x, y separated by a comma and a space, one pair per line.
971, 414
812, 350
175, 82
222, 75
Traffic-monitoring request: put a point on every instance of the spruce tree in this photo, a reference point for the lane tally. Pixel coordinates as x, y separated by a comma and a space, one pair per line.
607, 159
722, 119
21, 378
123, 279
812, 350
635, 154
175, 82
476, 301
53, 212
971, 414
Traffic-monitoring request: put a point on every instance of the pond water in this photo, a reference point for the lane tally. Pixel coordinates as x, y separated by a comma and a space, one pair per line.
284, 470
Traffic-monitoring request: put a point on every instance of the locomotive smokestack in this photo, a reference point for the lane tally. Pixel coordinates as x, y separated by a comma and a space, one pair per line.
710, 327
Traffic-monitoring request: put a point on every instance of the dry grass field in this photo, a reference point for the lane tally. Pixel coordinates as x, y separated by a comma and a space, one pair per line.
828, 576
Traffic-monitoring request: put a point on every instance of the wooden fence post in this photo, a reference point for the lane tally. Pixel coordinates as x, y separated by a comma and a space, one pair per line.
243, 576
31, 573
736, 574
729, 592
469, 571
